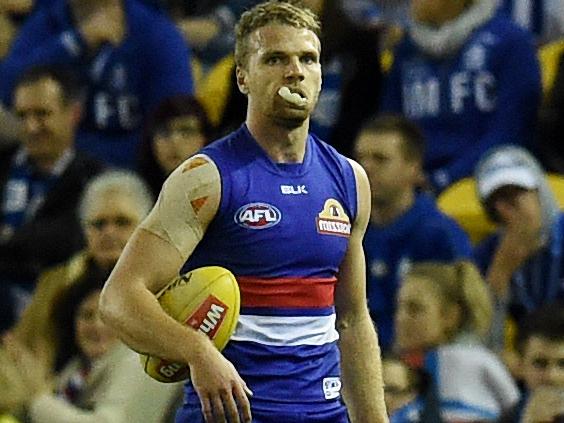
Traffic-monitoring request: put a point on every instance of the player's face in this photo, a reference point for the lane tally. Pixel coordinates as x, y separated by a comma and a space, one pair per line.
281, 55
391, 174
109, 225
48, 122
93, 337
421, 317
543, 363
181, 138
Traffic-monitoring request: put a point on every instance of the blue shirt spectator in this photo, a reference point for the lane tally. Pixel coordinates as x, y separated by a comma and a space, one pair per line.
405, 226
124, 80
422, 233
523, 261
471, 83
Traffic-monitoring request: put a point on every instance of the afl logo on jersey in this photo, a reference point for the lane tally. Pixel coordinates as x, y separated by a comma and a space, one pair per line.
258, 216
333, 220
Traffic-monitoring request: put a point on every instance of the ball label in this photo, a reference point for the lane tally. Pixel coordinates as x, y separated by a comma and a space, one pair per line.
208, 317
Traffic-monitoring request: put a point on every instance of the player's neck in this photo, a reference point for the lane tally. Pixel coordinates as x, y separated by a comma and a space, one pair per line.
282, 144
385, 212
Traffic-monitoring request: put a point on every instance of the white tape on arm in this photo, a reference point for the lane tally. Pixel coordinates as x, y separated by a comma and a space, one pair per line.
187, 204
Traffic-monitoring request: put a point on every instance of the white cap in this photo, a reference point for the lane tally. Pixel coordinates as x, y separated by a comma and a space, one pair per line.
520, 176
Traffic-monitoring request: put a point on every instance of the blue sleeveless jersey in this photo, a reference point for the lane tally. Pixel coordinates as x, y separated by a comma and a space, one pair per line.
283, 230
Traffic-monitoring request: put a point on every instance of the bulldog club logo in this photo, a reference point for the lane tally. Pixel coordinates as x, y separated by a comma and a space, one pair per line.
258, 216
333, 220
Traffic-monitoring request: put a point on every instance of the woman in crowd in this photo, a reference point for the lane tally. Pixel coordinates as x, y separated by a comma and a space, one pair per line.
444, 311
178, 128
111, 207
103, 381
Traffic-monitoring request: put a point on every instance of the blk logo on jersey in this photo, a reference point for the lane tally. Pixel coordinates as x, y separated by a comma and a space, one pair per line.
258, 216
333, 220
293, 189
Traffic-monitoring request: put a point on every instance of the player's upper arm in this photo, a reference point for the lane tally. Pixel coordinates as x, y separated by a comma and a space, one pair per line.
351, 290
186, 205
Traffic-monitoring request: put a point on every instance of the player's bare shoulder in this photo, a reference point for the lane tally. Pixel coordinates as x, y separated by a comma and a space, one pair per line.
187, 203
199, 180
363, 194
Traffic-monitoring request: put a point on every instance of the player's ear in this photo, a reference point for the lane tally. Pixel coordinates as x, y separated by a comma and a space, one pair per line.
241, 75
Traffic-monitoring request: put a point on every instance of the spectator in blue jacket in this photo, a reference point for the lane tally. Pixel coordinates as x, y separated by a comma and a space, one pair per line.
523, 261
469, 77
130, 58
405, 225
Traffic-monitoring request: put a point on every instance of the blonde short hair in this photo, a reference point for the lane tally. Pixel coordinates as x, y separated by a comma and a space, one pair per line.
280, 12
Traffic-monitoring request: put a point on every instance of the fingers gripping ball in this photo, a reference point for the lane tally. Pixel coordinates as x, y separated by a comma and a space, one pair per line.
206, 299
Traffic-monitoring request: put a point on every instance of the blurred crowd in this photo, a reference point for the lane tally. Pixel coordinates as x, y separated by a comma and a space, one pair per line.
455, 109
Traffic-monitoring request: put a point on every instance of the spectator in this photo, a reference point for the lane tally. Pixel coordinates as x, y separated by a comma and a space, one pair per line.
177, 129
469, 78
522, 261
541, 362
129, 56
111, 207
41, 182
405, 224
544, 18
102, 382
444, 310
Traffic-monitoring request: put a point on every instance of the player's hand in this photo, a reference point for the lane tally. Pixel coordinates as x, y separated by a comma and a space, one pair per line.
223, 393
103, 25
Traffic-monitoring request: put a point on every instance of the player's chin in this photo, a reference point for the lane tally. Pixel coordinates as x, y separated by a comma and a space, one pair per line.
293, 119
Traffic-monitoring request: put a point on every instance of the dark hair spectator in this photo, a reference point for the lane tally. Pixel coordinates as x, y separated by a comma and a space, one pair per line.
540, 346
41, 181
66, 306
66, 77
177, 129
547, 322
102, 381
413, 144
